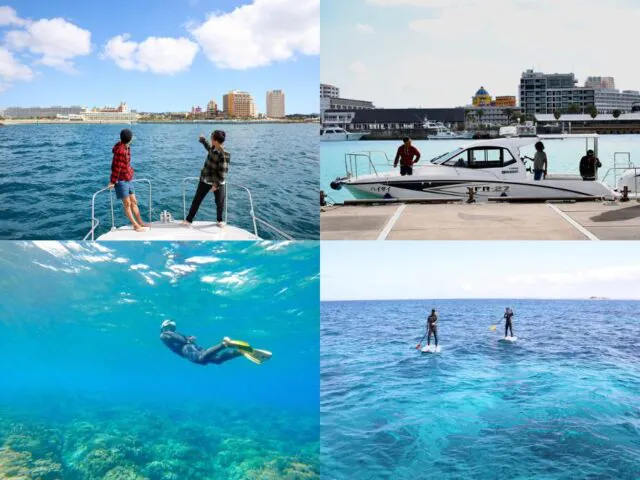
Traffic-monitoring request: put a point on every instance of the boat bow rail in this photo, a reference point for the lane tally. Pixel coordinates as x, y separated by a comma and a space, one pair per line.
166, 217
361, 163
95, 222
255, 220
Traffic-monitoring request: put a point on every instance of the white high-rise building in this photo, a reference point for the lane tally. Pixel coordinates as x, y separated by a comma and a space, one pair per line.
329, 91
275, 104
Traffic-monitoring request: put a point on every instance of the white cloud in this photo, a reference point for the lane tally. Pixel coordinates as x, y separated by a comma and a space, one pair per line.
11, 69
160, 55
8, 16
261, 33
364, 28
57, 40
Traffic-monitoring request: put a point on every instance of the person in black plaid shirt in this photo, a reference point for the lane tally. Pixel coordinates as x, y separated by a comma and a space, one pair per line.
212, 176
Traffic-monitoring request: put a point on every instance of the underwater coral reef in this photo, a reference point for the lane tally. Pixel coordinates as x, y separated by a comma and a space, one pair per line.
83, 439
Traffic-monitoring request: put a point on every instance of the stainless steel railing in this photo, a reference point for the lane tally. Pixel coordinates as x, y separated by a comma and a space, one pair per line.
95, 222
254, 218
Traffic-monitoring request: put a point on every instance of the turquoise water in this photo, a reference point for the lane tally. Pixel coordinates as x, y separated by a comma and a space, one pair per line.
563, 402
563, 155
48, 174
90, 392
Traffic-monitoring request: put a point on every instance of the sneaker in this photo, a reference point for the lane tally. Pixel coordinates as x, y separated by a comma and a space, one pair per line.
221, 224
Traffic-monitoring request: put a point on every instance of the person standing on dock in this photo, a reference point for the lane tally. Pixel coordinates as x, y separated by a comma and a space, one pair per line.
539, 162
407, 155
212, 176
589, 165
121, 178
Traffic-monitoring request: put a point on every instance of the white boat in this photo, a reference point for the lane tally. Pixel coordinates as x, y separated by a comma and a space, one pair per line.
169, 229
338, 134
444, 133
488, 168
519, 130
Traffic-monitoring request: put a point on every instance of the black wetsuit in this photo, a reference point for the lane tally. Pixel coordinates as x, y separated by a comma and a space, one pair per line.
432, 327
181, 345
508, 325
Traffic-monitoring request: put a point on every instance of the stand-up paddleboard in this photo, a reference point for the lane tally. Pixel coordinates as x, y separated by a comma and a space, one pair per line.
431, 349
509, 339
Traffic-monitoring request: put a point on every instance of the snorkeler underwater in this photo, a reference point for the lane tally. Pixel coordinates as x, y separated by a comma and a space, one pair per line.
103, 349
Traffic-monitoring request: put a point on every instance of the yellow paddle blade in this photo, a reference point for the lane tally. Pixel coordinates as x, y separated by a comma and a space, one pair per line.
493, 327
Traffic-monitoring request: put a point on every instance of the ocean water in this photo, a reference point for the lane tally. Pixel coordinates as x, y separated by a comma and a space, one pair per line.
48, 174
563, 402
563, 155
89, 391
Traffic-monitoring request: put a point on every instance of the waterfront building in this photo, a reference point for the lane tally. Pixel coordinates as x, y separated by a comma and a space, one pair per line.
335, 111
491, 116
482, 97
505, 101
42, 112
545, 94
603, 123
600, 82
275, 104
405, 119
329, 91
212, 107
238, 104
338, 118
563, 98
534, 87
196, 109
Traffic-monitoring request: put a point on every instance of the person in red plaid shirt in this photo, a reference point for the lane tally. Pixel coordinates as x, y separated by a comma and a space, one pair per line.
121, 177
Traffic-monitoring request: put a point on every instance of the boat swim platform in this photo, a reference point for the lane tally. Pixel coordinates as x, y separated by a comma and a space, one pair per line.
593, 220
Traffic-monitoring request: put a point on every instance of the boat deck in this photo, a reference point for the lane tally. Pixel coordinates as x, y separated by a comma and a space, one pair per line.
175, 231
483, 221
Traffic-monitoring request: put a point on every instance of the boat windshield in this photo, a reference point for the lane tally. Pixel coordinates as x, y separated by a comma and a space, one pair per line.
440, 159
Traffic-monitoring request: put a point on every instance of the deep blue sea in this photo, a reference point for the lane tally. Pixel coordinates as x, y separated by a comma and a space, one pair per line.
563, 155
48, 174
89, 391
563, 402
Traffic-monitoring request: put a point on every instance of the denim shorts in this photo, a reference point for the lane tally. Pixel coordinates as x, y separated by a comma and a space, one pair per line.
124, 189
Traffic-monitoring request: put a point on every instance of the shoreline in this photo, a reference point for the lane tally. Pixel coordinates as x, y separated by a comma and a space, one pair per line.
138, 122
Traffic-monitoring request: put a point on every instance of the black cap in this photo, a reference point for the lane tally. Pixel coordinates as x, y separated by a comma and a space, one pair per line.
219, 135
126, 135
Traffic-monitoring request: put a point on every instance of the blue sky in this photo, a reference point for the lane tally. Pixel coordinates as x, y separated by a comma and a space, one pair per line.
158, 55
418, 270
438, 53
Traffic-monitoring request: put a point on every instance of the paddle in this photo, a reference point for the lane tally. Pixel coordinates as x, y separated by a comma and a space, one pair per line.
420, 344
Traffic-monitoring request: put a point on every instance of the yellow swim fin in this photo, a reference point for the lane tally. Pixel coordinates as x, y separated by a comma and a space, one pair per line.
258, 356
240, 345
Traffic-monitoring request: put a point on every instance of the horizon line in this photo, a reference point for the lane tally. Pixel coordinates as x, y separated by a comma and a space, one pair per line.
476, 298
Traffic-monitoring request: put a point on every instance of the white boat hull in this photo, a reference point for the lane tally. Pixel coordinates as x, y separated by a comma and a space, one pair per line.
341, 137
415, 187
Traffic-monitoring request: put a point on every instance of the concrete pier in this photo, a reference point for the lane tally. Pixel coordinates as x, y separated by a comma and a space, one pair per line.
483, 221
